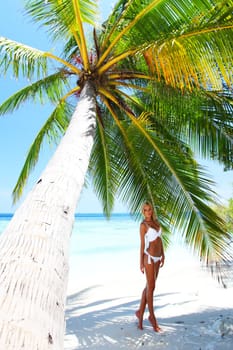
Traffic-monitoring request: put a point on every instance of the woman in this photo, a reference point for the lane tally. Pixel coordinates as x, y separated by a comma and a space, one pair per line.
151, 259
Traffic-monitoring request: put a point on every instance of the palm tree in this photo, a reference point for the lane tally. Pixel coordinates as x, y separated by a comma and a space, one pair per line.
128, 108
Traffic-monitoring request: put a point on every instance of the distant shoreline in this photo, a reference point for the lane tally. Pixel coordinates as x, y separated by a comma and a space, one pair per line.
77, 215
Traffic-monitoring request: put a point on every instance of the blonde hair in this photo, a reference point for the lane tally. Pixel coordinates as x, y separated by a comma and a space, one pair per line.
153, 216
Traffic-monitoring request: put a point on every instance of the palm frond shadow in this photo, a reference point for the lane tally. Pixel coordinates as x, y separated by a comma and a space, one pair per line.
116, 325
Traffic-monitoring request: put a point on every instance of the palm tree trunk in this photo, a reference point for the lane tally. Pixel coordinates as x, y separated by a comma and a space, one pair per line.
34, 247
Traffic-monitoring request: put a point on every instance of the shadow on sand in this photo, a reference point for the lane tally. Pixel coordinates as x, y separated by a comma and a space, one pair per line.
111, 324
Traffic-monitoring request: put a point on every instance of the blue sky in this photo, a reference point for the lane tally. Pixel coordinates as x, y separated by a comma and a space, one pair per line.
18, 130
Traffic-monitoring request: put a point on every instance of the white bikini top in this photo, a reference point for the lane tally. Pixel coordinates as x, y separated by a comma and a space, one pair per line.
151, 235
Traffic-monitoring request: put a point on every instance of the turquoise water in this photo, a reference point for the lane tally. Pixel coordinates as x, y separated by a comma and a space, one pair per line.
96, 240
97, 235
93, 233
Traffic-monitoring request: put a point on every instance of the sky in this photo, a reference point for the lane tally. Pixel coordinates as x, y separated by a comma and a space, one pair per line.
18, 130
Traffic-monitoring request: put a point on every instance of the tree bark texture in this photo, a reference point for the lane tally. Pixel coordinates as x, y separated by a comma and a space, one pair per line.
34, 248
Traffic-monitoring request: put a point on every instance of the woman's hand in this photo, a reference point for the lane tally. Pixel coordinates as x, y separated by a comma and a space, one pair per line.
162, 261
142, 268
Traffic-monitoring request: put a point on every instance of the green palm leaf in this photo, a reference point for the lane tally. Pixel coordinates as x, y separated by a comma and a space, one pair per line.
51, 87
202, 120
101, 169
186, 192
192, 45
59, 17
22, 59
53, 129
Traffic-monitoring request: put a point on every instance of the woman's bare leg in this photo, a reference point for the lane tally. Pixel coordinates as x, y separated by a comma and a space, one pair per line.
140, 312
151, 275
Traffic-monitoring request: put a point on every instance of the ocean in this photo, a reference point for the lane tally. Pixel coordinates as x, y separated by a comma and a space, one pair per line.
94, 238
101, 248
93, 234
119, 233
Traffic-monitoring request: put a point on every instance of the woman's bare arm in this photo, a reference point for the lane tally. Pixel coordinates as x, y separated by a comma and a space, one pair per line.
142, 246
162, 255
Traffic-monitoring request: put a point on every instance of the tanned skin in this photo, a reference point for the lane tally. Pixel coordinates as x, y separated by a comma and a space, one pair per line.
151, 270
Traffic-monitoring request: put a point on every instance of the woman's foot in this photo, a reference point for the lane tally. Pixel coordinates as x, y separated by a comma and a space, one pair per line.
154, 324
138, 315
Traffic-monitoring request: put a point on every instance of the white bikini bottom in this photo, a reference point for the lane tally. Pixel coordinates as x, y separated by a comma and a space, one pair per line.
153, 258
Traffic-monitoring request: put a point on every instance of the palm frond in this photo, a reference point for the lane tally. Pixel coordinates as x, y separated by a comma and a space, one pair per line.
72, 67
116, 59
53, 128
51, 87
212, 136
121, 161
202, 120
196, 34
104, 175
89, 11
64, 19
59, 16
21, 59
70, 49
189, 190
129, 171
112, 23
141, 11
82, 44
182, 190
162, 21
205, 60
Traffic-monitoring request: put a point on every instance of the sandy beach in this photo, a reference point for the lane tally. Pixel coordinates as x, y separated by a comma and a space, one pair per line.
193, 310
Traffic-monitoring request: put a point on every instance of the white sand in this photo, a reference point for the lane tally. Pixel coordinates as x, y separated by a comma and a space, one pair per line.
104, 291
